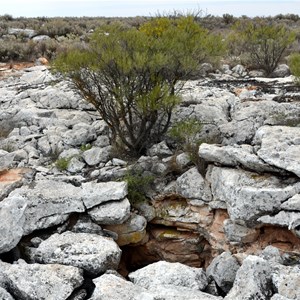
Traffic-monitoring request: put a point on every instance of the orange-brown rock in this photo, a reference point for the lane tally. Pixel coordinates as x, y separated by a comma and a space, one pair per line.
42, 61
133, 231
11, 179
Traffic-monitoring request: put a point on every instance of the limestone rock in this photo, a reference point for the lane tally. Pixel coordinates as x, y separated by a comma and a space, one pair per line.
12, 218
223, 270
248, 195
94, 193
183, 160
4, 295
160, 150
253, 280
233, 156
109, 213
279, 297
169, 274
287, 281
37, 75
271, 254
292, 203
84, 224
130, 232
40, 282
146, 210
96, 155
80, 134
239, 234
75, 165
248, 116
57, 96
192, 185
281, 70
172, 292
112, 287
283, 218
239, 70
280, 147
90, 252
49, 203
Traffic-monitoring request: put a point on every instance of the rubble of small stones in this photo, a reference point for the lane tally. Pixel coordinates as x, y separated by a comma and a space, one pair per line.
226, 229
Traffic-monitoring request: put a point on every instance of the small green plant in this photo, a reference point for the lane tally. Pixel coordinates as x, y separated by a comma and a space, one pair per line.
63, 163
138, 184
186, 134
85, 147
294, 64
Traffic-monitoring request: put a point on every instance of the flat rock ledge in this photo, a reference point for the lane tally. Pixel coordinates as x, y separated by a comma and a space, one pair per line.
93, 253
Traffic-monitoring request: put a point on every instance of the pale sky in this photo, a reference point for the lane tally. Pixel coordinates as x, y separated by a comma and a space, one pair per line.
119, 8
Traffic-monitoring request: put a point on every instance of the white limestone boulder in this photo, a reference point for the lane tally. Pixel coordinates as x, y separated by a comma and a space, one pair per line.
112, 212
90, 252
253, 280
248, 195
234, 156
192, 185
49, 203
94, 193
280, 147
169, 274
112, 287
12, 216
40, 282
223, 270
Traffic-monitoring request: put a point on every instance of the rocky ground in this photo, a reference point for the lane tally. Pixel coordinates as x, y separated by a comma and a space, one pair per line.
229, 228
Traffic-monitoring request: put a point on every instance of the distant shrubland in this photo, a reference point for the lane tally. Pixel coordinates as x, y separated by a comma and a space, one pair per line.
26, 39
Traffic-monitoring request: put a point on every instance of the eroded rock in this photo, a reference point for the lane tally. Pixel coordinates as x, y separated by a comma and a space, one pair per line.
280, 147
112, 287
130, 232
223, 270
109, 213
168, 274
12, 216
90, 252
49, 203
40, 282
253, 280
192, 185
94, 193
248, 195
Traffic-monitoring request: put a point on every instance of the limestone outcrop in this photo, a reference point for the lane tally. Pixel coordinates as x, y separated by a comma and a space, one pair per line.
223, 223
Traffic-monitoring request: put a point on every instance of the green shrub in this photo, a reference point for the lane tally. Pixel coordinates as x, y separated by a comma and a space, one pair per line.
261, 45
85, 147
62, 163
186, 134
294, 64
130, 75
138, 184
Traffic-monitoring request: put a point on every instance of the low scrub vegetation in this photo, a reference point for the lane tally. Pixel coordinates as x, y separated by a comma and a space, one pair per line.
259, 44
294, 63
133, 76
132, 69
